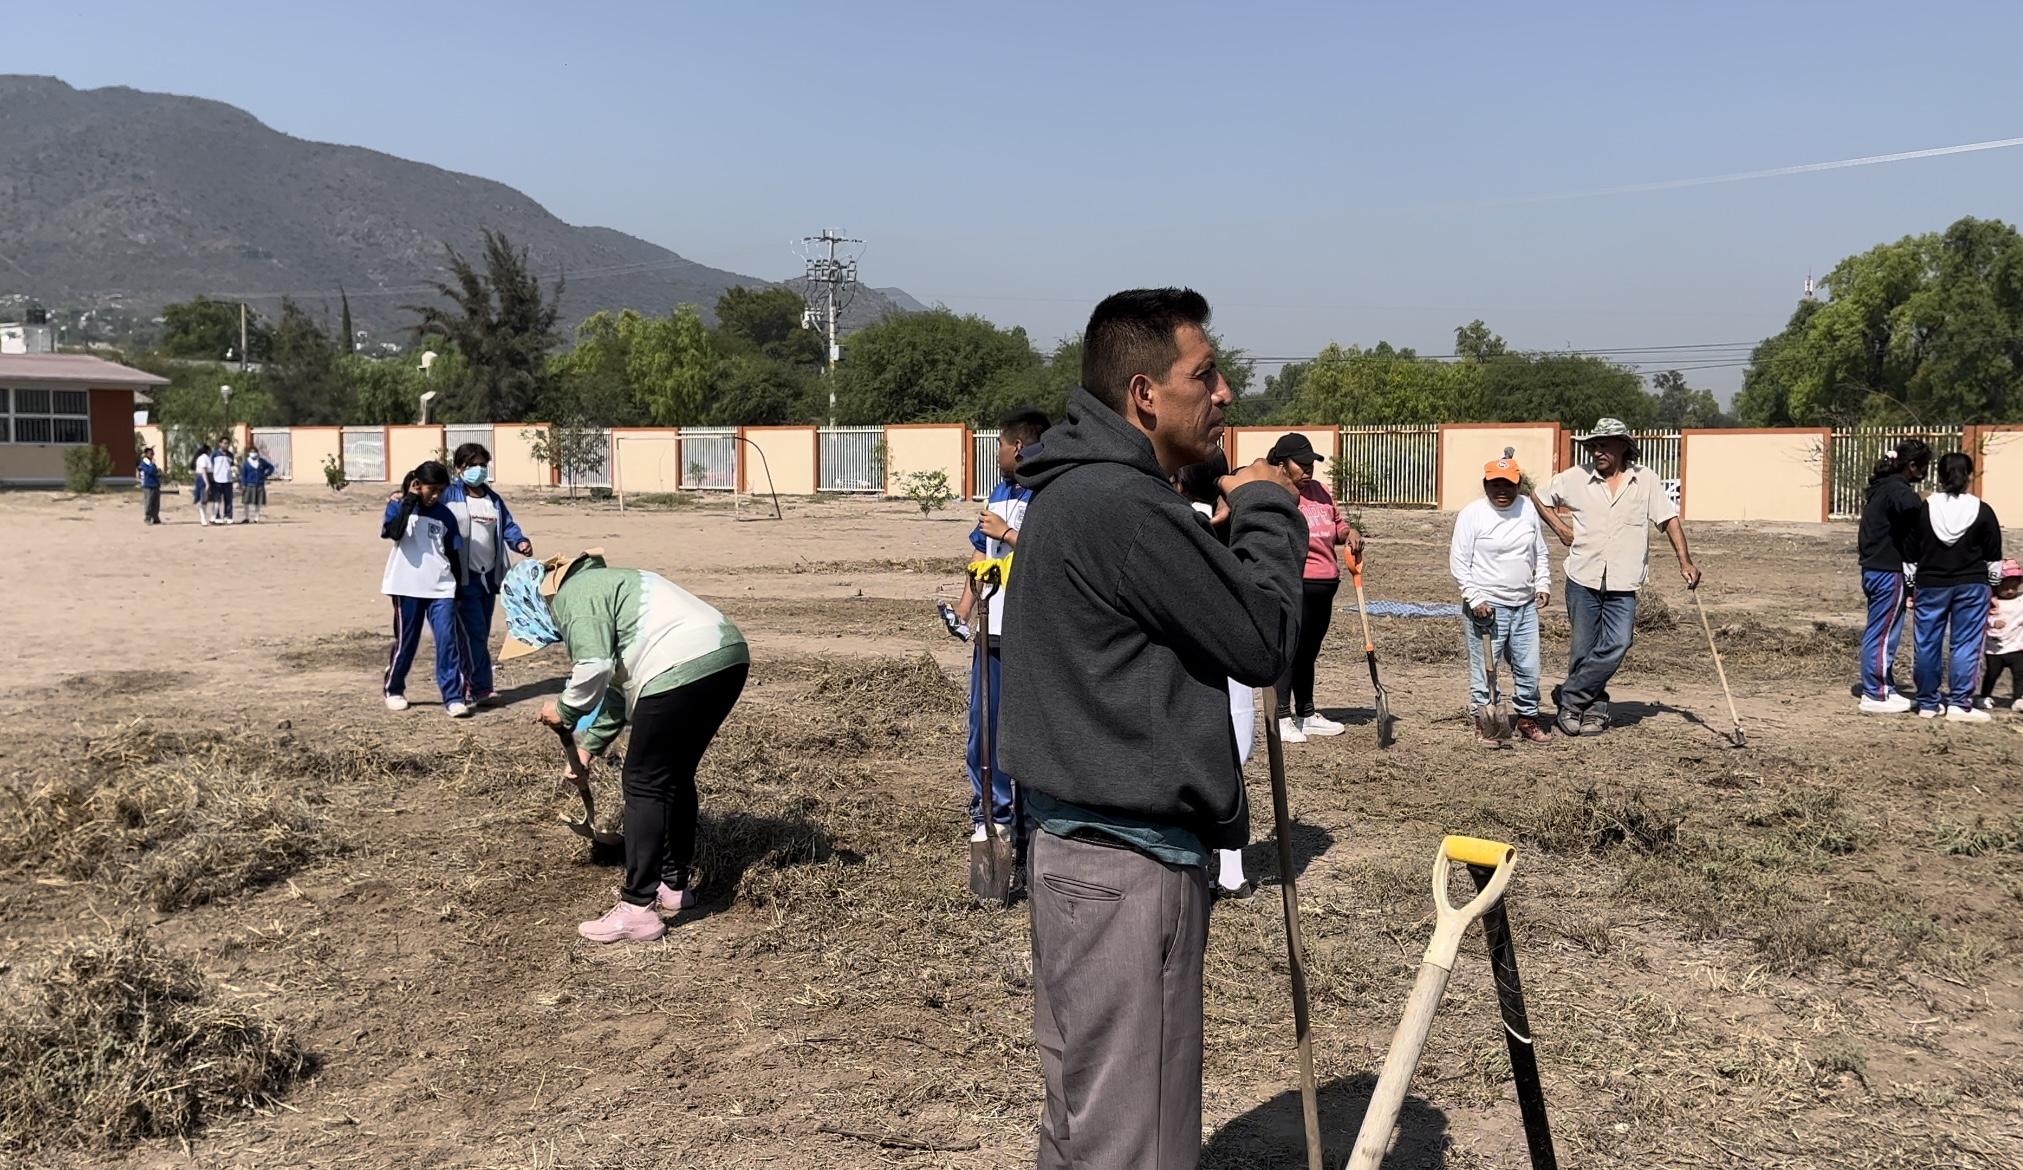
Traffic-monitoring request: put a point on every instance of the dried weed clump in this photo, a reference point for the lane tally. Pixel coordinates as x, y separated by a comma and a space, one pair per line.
117, 1040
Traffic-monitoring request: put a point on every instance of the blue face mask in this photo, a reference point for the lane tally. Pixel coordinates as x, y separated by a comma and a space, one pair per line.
475, 476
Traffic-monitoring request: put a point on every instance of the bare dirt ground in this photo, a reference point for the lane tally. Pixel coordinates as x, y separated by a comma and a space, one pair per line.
1800, 954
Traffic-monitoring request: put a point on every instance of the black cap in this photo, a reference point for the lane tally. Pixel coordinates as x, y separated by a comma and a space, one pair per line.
1296, 447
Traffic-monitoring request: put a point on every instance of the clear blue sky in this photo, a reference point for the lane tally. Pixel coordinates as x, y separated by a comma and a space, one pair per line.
1343, 172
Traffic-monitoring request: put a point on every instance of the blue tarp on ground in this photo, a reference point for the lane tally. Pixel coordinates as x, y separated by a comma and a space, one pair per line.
1415, 609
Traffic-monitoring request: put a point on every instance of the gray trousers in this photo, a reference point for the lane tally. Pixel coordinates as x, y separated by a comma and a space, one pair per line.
1118, 938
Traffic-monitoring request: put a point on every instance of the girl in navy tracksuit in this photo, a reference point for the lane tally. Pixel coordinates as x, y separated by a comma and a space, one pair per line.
421, 578
487, 529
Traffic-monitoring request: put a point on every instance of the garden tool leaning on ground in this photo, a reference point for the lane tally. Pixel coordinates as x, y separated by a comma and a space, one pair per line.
1737, 738
993, 861
1492, 719
1295, 950
579, 778
1386, 726
1489, 863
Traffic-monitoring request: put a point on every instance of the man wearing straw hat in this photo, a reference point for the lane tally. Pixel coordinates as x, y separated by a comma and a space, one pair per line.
1615, 502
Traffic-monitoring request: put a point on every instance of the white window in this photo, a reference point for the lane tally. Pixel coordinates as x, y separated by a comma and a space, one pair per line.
45, 416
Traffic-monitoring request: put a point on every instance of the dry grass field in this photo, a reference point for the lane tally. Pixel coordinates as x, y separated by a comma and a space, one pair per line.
248, 918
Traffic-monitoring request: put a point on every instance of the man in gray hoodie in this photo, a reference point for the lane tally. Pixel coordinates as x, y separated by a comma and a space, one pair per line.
1129, 619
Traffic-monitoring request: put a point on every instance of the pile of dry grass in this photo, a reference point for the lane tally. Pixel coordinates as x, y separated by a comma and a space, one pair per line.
1427, 640
178, 819
859, 705
122, 1041
356, 650
1594, 820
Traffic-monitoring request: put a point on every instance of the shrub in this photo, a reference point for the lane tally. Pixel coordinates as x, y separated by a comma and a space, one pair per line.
83, 467
927, 489
333, 473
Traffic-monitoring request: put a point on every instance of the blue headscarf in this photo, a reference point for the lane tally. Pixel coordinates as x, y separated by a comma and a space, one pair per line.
528, 619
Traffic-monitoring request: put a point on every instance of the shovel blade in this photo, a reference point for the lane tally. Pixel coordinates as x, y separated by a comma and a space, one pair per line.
990, 869
1387, 727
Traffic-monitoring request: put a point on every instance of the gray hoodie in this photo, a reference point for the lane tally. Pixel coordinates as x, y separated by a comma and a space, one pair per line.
1129, 619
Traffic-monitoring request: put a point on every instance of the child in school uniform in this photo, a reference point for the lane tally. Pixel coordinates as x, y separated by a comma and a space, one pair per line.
2004, 649
150, 477
221, 483
253, 475
996, 536
488, 529
421, 577
200, 477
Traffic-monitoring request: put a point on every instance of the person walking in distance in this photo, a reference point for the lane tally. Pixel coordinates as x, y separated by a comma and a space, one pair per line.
200, 479
422, 571
1128, 620
1959, 560
1321, 577
487, 529
150, 477
254, 472
1615, 502
1497, 557
2004, 651
1891, 522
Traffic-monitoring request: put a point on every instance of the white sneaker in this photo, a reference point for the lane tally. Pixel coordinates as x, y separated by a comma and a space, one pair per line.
1318, 724
459, 710
1930, 713
1967, 715
396, 702
2017, 705
1289, 731
1891, 705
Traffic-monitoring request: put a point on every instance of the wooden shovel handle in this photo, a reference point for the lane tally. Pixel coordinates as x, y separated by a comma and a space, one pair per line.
1452, 921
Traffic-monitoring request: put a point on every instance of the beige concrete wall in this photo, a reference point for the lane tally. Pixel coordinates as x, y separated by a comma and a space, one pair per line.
646, 461
925, 448
2001, 462
1753, 475
513, 462
1243, 444
789, 455
151, 436
409, 447
32, 461
308, 447
1465, 448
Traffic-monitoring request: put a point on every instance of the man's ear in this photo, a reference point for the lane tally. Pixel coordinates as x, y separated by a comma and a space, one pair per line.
1139, 392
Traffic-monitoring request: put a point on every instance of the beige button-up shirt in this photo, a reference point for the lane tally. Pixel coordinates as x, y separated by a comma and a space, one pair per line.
1611, 532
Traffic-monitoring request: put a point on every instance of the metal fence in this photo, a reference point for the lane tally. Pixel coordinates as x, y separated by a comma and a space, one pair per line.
365, 454
1657, 450
278, 445
709, 459
1389, 465
982, 463
852, 459
456, 436
1852, 456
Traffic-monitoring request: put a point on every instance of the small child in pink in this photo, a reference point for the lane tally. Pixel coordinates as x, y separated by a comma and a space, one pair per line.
2004, 648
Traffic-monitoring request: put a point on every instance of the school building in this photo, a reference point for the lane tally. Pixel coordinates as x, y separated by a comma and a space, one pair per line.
53, 402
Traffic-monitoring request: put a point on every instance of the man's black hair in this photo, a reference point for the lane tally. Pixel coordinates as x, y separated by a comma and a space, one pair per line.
1131, 333
468, 451
1023, 426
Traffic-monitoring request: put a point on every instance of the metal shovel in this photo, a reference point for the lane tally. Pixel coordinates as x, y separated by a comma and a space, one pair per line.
1387, 727
579, 777
1492, 719
993, 861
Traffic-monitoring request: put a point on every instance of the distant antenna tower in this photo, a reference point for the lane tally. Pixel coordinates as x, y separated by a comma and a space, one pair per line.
1809, 286
835, 274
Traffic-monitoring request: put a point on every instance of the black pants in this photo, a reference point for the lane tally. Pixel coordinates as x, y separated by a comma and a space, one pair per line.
1992, 666
1317, 609
222, 492
151, 505
670, 732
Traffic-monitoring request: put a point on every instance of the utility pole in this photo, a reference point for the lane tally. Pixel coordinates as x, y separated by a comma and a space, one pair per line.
833, 273
242, 340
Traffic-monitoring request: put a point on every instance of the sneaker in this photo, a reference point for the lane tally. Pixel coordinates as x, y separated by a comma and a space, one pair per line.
666, 898
458, 710
1224, 893
488, 699
1289, 731
1967, 715
624, 922
1593, 724
957, 628
1318, 724
1892, 705
2017, 705
396, 702
1985, 703
1568, 722
1930, 713
1529, 730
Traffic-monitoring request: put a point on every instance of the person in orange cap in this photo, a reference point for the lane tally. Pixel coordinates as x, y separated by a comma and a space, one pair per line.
1498, 559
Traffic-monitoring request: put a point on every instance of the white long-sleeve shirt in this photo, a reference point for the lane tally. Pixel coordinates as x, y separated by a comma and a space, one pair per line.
1498, 554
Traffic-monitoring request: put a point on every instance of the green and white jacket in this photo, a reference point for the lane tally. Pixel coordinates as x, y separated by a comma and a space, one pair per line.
632, 633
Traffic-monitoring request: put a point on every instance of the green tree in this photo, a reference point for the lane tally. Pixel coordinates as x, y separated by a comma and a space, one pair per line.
932, 366
502, 323
205, 330
303, 375
1679, 405
1765, 397
347, 339
758, 391
384, 391
1272, 404
1474, 342
768, 322
672, 364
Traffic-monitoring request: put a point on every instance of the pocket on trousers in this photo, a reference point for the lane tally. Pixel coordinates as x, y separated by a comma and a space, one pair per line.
1079, 890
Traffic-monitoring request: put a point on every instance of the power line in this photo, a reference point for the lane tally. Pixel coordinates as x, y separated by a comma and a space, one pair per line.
835, 274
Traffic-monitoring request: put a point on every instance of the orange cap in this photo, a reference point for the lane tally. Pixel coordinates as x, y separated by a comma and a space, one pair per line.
1504, 468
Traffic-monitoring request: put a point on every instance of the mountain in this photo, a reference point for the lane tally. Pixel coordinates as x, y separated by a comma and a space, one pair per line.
116, 197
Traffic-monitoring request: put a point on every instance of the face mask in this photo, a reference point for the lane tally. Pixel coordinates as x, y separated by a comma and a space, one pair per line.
475, 476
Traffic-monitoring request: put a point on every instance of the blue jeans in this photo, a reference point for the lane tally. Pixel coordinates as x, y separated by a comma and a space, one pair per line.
1884, 633
1000, 780
1603, 623
476, 603
1959, 614
1513, 638
440, 615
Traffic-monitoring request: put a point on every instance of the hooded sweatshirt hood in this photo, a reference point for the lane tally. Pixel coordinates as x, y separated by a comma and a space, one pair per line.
1952, 516
1090, 433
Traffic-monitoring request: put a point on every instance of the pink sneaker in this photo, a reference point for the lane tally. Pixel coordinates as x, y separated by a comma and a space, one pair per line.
667, 900
624, 923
